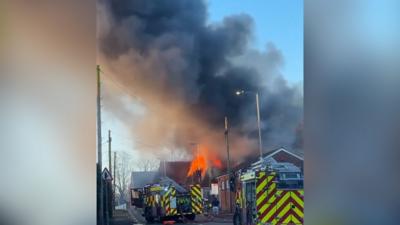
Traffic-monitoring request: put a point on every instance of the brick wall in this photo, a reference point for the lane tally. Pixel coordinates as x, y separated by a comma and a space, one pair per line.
224, 195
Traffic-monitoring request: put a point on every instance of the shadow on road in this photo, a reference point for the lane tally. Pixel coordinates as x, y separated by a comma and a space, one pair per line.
121, 217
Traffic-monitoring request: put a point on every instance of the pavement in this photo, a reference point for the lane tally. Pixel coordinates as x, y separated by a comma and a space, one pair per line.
222, 219
122, 217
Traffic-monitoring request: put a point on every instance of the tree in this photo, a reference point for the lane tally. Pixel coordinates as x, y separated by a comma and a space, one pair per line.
124, 167
148, 165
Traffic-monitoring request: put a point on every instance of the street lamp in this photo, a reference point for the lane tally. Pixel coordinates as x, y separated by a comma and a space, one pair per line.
242, 92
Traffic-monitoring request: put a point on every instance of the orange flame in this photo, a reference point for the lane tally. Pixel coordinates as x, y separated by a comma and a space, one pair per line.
217, 163
198, 163
202, 160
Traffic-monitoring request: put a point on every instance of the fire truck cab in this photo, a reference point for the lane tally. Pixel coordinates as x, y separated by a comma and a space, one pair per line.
271, 194
171, 202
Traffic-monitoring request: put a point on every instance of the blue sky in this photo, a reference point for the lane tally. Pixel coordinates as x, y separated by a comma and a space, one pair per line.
276, 21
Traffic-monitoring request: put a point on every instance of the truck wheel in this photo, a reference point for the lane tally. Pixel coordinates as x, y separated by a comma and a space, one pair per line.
164, 218
190, 217
237, 220
149, 219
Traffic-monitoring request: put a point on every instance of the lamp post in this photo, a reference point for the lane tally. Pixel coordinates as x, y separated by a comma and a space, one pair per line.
242, 92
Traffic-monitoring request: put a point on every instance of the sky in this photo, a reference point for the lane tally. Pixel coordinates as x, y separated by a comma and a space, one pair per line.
277, 21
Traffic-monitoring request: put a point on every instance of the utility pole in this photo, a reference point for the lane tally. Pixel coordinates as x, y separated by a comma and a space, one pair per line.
99, 153
228, 161
198, 168
115, 163
109, 151
259, 127
227, 146
109, 167
241, 92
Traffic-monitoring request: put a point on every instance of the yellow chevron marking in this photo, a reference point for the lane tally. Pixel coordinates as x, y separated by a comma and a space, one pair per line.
196, 209
297, 199
298, 212
265, 206
261, 186
196, 189
270, 201
172, 212
283, 211
168, 192
195, 198
196, 195
196, 186
262, 197
270, 178
280, 202
295, 220
266, 217
196, 203
288, 219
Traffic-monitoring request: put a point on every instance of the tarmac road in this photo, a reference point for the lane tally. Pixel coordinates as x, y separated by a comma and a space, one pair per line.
200, 220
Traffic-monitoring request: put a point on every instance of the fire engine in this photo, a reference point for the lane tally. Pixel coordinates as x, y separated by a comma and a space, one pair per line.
271, 193
168, 200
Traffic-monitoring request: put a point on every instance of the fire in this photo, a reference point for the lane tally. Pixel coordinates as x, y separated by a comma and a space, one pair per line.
217, 163
202, 160
198, 163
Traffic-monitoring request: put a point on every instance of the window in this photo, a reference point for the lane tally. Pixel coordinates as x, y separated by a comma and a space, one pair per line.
290, 180
290, 175
134, 194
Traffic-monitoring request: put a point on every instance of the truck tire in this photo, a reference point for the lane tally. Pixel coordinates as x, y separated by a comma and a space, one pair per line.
149, 219
237, 219
190, 217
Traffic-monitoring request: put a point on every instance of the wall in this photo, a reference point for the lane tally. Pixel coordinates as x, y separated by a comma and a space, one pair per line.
224, 192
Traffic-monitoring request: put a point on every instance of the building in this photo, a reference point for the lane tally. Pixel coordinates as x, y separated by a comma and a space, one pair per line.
225, 196
281, 155
176, 170
140, 178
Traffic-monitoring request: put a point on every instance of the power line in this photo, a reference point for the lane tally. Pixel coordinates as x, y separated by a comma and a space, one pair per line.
122, 88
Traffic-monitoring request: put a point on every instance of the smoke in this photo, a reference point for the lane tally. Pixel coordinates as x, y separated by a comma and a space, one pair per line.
185, 72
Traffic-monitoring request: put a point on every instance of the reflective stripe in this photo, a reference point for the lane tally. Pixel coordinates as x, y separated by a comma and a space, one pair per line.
275, 206
170, 193
196, 199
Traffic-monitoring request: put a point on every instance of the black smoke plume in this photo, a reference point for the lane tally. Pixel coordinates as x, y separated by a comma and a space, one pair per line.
167, 53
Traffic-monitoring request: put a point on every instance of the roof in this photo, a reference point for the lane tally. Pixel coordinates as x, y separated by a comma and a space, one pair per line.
278, 155
168, 181
140, 178
176, 170
276, 151
281, 155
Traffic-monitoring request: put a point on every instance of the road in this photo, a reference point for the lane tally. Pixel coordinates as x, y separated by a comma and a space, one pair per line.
200, 220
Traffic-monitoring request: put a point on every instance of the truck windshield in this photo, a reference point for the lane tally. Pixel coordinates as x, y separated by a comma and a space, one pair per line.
290, 180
